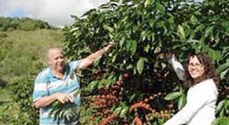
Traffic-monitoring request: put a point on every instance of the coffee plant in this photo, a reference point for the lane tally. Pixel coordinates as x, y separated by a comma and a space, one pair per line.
21, 94
129, 84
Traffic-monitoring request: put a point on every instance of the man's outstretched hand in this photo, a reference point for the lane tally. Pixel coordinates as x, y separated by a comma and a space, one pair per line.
109, 46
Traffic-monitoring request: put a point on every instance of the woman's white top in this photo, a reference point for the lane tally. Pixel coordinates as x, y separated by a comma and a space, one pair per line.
201, 101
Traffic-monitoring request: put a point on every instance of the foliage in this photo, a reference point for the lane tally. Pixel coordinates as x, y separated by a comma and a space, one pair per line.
142, 30
64, 111
21, 94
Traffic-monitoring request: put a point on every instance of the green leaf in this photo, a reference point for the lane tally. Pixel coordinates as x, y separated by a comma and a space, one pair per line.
225, 25
124, 111
147, 48
92, 85
148, 2
214, 54
223, 69
105, 82
140, 65
132, 45
121, 43
227, 107
221, 121
114, 58
194, 19
192, 41
118, 110
224, 73
181, 32
182, 101
160, 7
173, 95
220, 106
76, 93
130, 66
110, 29
199, 28
208, 31
132, 97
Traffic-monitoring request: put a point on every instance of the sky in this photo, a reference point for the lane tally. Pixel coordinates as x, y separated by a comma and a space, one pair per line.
55, 12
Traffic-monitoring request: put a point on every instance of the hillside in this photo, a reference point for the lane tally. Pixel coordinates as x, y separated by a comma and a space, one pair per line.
22, 53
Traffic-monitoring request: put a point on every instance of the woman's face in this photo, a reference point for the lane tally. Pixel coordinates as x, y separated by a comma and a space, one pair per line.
195, 68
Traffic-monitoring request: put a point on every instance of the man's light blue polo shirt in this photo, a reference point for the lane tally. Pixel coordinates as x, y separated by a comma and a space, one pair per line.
46, 84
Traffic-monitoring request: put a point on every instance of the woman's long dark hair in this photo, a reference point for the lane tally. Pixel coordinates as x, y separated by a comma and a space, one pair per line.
210, 70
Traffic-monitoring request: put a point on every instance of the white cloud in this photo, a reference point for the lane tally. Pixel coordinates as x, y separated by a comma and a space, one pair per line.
56, 12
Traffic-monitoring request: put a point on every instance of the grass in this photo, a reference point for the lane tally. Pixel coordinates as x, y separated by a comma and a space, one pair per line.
22, 51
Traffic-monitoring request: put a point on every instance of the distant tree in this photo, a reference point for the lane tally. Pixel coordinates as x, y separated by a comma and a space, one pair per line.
4, 23
26, 24
14, 23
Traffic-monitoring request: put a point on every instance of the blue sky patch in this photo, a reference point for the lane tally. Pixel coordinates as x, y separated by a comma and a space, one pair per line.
16, 13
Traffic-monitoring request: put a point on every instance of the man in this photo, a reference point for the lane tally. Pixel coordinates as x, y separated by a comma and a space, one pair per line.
58, 82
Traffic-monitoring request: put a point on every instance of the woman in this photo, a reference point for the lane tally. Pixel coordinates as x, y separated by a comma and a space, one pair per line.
200, 76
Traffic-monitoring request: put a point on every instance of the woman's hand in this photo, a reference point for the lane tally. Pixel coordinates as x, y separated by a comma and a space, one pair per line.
167, 55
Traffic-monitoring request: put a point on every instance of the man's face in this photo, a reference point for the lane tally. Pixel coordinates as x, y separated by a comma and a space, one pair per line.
56, 60
195, 68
